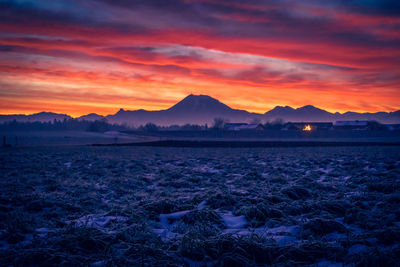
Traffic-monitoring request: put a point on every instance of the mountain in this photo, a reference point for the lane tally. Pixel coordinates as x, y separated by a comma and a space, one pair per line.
201, 109
280, 111
193, 109
41, 117
91, 117
306, 113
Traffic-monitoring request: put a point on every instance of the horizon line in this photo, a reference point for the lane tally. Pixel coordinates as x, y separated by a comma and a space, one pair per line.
191, 94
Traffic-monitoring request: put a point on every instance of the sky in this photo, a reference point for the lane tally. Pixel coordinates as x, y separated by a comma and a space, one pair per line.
78, 57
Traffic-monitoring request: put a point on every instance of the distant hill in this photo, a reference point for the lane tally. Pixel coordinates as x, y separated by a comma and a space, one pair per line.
201, 109
41, 116
91, 117
306, 113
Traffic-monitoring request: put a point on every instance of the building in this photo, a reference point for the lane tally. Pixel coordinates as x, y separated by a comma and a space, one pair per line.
307, 126
243, 127
352, 125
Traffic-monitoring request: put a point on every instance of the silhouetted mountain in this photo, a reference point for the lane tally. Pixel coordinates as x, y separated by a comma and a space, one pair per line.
279, 111
306, 113
91, 117
194, 104
193, 109
201, 109
41, 117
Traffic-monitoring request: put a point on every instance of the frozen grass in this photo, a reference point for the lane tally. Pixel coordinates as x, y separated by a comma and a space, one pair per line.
129, 206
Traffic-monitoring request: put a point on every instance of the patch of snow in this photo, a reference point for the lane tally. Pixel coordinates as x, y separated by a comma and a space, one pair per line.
367, 168
166, 224
105, 201
153, 186
43, 232
260, 162
98, 263
68, 164
98, 186
321, 179
327, 263
98, 222
351, 227
294, 230
234, 222
202, 205
165, 234
345, 178
206, 169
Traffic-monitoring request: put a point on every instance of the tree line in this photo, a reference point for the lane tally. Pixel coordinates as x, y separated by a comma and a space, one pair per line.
104, 126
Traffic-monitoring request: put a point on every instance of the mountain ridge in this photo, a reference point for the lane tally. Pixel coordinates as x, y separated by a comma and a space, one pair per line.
201, 109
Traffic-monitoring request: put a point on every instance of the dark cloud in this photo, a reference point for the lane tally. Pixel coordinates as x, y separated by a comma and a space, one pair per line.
7, 48
371, 7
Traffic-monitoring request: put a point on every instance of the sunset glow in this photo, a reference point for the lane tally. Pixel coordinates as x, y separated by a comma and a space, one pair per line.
78, 57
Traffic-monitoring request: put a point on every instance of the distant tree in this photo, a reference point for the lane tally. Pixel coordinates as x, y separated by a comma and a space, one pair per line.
99, 126
149, 127
374, 125
276, 124
190, 127
255, 121
61, 125
173, 127
219, 123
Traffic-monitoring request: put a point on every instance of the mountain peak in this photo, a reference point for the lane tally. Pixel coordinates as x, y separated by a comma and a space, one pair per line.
91, 117
282, 108
199, 103
307, 107
198, 98
312, 109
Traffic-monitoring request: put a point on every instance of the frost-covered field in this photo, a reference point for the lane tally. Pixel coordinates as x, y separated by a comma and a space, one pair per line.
112, 206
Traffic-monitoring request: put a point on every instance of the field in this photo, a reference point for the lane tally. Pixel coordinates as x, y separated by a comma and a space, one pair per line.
142, 206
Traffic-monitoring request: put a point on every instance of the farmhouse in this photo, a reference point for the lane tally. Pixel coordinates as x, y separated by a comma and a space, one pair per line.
308, 126
352, 125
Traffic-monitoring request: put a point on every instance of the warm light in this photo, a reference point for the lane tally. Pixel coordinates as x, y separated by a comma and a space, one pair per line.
307, 128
